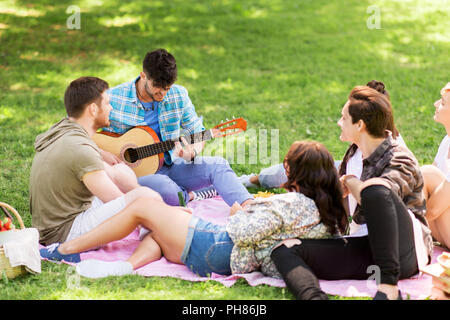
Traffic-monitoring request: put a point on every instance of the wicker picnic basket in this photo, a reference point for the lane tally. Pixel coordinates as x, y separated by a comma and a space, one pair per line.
5, 266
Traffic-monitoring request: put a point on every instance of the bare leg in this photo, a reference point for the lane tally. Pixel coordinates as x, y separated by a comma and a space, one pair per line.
169, 227
141, 192
147, 251
432, 178
440, 226
114, 228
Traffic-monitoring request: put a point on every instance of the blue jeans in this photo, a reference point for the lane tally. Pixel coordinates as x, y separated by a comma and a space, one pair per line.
275, 176
189, 176
207, 249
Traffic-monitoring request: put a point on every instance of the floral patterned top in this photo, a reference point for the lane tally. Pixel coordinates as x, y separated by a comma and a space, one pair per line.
265, 223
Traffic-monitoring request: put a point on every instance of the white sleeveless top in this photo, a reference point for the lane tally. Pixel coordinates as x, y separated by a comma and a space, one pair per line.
442, 160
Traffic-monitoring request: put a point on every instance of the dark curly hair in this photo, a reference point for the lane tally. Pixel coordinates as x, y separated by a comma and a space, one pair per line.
310, 170
379, 86
160, 66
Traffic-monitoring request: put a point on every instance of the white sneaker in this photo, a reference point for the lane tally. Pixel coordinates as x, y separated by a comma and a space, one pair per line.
93, 268
205, 193
245, 180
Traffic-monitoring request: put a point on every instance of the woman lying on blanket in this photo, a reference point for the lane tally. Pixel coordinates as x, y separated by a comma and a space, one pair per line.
389, 201
312, 209
275, 176
437, 176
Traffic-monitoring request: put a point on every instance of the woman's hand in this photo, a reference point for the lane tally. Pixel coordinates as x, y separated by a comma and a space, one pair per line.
288, 243
235, 208
345, 191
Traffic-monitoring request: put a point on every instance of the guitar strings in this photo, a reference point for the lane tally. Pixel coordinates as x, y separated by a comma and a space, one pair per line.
163, 146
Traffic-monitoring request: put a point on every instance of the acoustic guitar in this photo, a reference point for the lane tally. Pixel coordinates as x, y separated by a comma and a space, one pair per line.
141, 149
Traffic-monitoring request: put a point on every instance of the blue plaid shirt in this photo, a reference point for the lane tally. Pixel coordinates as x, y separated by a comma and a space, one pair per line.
176, 113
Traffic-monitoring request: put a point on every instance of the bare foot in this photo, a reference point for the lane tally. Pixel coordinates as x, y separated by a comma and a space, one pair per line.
255, 180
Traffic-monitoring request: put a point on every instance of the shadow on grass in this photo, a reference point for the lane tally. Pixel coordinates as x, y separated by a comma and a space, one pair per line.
284, 65
59, 282
280, 64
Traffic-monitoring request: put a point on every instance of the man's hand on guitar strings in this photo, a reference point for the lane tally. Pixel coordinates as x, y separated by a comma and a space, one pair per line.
187, 152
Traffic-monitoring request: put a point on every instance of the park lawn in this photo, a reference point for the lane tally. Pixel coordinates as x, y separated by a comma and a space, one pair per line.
284, 65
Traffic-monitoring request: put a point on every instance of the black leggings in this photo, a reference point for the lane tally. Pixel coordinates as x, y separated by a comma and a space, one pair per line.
389, 245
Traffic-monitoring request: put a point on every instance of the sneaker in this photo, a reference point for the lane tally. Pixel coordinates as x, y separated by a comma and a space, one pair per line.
205, 193
245, 180
51, 253
92, 268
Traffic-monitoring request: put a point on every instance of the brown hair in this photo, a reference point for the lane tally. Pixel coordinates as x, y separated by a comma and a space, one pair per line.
372, 107
82, 92
160, 66
310, 170
381, 88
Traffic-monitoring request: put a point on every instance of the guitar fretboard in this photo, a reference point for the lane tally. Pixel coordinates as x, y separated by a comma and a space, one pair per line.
142, 152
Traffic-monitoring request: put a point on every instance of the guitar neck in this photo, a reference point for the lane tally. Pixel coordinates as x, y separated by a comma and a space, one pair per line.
163, 146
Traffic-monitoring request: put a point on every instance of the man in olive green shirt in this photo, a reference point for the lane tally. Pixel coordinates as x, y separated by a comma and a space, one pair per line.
72, 188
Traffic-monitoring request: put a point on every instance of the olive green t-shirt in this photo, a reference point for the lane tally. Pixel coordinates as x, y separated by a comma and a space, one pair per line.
64, 154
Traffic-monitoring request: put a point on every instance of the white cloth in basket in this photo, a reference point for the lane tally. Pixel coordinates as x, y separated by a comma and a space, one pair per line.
23, 250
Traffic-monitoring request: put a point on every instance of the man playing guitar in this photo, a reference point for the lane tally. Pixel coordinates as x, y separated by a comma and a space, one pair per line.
154, 100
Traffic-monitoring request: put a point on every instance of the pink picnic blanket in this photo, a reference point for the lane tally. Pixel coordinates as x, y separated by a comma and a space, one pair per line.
216, 210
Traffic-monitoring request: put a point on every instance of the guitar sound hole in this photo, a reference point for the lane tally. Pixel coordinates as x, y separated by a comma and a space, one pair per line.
130, 155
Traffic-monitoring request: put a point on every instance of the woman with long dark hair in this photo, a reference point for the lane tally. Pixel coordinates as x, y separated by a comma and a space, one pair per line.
312, 208
389, 201
310, 171
274, 176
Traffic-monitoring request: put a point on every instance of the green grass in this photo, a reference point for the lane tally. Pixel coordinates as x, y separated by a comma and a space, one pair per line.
53, 284
286, 65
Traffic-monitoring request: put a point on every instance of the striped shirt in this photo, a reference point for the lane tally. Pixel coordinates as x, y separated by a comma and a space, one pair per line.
176, 113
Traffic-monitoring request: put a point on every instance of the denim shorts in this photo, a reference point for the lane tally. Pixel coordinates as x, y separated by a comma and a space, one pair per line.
207, 249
